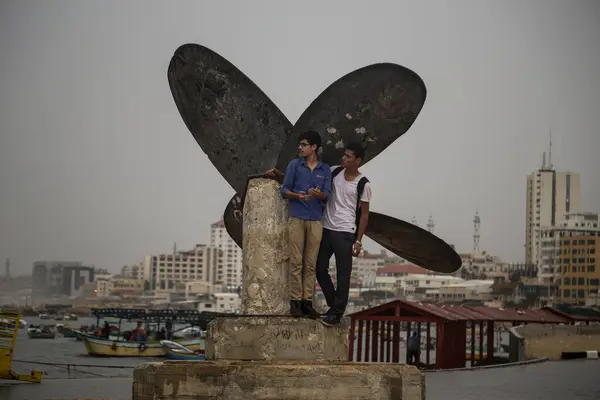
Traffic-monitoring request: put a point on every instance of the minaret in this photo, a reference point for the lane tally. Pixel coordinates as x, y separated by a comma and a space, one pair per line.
414, 221
476, 224
430, 224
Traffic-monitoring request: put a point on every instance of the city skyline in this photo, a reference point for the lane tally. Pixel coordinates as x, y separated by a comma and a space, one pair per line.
97, 165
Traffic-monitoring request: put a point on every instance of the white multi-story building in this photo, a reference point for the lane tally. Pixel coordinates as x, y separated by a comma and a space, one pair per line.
388, 276
220, 302
550, 195
168, 273
232, 258
573, 224
194, 289
103, 285
132, 271
467, 290
421, 287
480, 264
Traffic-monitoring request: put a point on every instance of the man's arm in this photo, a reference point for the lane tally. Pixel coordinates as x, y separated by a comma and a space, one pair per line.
275, 174
365, 202
327, 184
288, 183
363, 221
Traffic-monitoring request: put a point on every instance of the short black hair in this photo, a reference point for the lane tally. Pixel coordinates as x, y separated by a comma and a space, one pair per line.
357, 149
311, 137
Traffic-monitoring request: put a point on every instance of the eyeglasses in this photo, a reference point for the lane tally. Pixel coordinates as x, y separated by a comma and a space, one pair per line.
303, 144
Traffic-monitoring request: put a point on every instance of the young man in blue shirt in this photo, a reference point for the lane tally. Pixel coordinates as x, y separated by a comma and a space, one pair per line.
306, 184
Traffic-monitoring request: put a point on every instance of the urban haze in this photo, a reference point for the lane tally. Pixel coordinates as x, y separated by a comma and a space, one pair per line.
96, 164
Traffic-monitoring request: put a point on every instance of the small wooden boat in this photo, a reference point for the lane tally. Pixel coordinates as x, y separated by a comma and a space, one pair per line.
97, 346
65, 331
176, 351
41, 332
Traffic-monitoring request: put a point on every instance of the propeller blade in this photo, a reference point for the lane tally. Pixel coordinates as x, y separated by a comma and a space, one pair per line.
413, 243
373, 105
235, 123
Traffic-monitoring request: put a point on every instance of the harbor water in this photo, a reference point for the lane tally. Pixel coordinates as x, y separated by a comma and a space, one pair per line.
71, 374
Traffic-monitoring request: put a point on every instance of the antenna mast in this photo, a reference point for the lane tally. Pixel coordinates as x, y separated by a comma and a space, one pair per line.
430, 224
476, 224
550, 152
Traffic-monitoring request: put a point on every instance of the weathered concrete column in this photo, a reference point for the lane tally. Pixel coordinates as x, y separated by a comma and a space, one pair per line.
265, 270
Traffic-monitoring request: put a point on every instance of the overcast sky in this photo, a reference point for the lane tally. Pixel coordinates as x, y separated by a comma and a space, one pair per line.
96, 164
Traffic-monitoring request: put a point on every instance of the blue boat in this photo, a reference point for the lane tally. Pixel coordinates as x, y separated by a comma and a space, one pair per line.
175, 351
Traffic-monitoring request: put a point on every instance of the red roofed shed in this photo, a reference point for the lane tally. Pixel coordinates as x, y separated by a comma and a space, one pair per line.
378, 330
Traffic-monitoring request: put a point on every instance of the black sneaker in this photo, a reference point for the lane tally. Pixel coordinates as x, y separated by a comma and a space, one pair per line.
308, 310
296, 308
331, 320
328, 312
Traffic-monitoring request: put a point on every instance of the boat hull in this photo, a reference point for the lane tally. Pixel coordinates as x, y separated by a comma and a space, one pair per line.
111, 348
41, 335
173, 355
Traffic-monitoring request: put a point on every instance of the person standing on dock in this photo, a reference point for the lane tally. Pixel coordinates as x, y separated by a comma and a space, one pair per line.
413, 348
306, 184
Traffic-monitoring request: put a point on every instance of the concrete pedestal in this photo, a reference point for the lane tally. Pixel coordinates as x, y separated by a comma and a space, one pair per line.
276, 380
265, 268
263, 355
276, 338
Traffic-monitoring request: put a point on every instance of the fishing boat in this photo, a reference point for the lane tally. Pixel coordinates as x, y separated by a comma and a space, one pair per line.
143, 341
119, 347
176, 351
41, 332
65, 331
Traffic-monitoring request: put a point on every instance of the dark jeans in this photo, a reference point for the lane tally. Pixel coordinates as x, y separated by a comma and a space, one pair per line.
340, 244
413, 357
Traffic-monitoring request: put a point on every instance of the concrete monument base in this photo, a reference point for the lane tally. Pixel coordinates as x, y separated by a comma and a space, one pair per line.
276, 338
276, 380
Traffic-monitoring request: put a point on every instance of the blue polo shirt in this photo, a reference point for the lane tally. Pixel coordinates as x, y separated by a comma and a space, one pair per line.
299, 178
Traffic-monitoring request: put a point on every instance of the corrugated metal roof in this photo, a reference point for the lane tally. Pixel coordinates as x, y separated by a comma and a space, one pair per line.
462, 313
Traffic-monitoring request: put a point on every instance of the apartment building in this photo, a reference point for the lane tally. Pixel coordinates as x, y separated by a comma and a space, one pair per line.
232, 256
549, 196
168, 273
579, 267
556, 257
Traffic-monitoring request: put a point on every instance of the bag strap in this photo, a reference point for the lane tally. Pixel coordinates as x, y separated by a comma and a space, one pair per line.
360, 188
335, 172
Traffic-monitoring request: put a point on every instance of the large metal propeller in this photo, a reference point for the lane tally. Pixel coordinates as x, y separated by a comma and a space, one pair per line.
243, 133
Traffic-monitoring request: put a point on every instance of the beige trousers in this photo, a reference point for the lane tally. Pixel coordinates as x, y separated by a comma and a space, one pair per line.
304, 241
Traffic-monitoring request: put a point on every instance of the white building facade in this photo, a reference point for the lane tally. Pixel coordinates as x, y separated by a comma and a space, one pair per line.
232, 259
550, 195
168, 273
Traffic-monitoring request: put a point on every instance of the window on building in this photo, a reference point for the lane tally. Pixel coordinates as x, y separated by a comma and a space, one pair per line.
567, 281
567, 293
591, 268
581, 281
581, 294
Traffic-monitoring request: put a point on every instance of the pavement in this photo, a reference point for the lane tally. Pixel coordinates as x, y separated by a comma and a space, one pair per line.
560, 380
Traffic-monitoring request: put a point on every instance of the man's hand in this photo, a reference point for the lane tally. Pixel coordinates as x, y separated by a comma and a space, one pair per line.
356, 249
274, 173
302, 196
316, 192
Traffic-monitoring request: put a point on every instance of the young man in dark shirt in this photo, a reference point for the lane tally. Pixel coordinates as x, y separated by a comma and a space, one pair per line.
306, 184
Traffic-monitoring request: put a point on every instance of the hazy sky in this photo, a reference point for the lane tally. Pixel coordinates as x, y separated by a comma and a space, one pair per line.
97, 165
